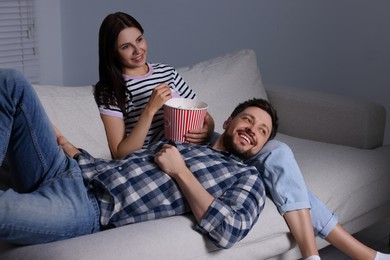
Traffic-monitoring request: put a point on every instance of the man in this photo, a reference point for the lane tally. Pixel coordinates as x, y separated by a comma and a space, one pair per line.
58, 196
61, 191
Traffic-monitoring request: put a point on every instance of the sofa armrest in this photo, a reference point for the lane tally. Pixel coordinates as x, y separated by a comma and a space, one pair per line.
328, 118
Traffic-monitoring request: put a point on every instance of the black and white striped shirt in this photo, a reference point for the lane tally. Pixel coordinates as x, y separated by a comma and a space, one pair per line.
139, 91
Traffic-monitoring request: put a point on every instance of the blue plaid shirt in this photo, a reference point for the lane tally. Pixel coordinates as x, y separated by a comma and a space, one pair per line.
135, 189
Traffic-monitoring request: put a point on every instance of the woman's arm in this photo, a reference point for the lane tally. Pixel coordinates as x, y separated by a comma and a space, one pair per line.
121, 144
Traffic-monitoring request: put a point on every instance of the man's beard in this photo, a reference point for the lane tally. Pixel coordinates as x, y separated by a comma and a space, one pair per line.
231, 148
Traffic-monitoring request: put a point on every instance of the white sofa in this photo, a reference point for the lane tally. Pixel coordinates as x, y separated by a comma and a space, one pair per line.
337, 142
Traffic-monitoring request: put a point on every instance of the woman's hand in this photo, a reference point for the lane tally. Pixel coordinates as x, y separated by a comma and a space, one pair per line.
159, 96
202, 135
122, 144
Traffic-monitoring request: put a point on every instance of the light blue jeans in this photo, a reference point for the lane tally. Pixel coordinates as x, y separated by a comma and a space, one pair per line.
287, 188
49, 201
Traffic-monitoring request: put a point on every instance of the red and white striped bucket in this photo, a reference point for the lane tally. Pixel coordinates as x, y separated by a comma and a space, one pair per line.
181, 115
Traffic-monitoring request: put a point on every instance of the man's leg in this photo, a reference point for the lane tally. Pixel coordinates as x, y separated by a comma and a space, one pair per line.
59, 209
26, 133
52, 202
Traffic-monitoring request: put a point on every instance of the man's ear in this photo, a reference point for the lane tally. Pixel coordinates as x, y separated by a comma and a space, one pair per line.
226, 123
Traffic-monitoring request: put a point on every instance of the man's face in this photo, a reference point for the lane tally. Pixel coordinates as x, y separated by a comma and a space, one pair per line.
247, 133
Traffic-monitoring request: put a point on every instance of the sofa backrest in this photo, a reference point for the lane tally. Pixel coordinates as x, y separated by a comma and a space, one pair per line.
225, 81
221, 82
73, 110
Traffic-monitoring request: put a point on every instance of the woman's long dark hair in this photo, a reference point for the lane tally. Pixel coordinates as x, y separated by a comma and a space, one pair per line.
110, 89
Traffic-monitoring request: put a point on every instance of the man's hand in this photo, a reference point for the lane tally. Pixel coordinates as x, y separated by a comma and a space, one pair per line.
170, 161
68, 148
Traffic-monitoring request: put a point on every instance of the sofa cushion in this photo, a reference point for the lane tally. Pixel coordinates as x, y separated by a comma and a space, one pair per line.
220, 82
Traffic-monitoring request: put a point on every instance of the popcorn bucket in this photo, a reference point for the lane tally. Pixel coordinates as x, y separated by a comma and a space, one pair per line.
181, 115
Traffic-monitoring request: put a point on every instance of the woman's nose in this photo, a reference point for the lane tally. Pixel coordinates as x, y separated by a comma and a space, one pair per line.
136, 50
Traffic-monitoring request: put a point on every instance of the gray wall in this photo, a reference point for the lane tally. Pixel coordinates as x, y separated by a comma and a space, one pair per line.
335, 46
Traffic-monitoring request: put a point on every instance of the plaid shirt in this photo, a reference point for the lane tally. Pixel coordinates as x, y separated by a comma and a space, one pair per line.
135, 189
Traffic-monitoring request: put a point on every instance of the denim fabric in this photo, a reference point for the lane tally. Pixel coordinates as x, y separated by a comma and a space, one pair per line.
287, 188
45, 179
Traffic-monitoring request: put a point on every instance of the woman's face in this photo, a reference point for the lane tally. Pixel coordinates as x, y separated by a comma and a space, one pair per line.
132, 49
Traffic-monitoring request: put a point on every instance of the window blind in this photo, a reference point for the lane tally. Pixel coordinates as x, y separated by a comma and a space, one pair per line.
17, 38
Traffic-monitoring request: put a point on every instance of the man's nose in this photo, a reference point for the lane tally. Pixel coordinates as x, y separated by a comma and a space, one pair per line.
249, 130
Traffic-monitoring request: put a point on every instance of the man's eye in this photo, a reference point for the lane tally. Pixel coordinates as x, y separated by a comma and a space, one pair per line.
263, 132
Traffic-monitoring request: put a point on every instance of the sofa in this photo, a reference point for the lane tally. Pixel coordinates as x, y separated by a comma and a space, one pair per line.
337, 142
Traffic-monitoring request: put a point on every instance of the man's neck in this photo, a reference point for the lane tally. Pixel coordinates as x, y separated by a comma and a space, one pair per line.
218, 144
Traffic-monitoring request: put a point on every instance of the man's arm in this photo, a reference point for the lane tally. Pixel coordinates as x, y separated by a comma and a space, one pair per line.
171, 162
232, 215
226, 219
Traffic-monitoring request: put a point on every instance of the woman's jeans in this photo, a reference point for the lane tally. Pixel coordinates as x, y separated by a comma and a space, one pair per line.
48, 201
284, 182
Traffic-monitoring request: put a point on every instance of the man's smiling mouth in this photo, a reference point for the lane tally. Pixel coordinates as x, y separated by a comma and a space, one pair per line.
246, 138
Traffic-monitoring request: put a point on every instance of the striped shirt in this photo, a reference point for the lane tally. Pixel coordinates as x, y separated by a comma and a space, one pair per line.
135, 189
139, 91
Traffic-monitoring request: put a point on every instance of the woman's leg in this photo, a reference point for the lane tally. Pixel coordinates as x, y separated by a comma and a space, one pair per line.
282, 176
341, 239
285, 183
299, 222
284, 180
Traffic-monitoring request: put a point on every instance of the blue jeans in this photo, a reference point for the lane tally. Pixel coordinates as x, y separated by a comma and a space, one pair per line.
287, 188
48, 201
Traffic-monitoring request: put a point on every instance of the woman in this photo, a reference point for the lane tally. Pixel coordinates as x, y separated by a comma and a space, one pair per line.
130, 92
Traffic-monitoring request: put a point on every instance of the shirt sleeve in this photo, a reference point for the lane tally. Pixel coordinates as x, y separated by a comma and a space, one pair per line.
110, 111
181, 87
231, 216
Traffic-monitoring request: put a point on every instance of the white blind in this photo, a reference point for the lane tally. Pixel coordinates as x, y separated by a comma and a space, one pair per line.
17, 38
